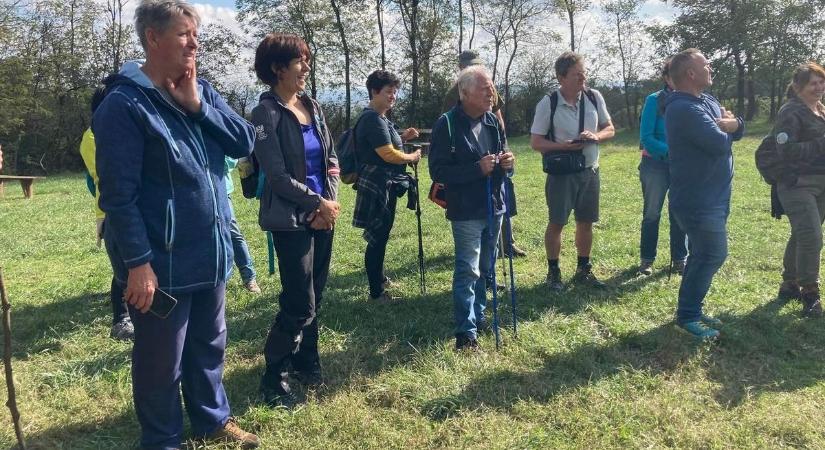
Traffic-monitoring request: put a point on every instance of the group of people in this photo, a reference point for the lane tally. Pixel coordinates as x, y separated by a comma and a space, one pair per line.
165, 142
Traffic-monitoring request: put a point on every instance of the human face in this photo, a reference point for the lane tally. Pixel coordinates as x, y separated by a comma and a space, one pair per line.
702, 75
575, 78
293, 77
480, 96
176, 47
813, 91
384, 99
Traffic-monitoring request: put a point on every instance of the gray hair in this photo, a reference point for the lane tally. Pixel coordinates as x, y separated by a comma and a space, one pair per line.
468, 78
158, 15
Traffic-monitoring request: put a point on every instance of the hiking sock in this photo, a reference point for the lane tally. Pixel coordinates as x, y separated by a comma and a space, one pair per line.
552, 264
583, 261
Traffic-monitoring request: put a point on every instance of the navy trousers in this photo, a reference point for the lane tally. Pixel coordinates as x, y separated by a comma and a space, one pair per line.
184, 352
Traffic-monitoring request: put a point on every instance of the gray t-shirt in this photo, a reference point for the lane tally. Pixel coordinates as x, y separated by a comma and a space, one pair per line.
566, 121
485, 141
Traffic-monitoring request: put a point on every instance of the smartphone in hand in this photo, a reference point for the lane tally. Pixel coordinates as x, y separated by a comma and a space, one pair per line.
162, 304
583, 141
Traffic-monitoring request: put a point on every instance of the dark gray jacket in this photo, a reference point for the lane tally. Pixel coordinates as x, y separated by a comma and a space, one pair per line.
800, 140
286, 201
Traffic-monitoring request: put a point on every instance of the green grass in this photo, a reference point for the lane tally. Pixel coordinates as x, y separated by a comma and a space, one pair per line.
587, 370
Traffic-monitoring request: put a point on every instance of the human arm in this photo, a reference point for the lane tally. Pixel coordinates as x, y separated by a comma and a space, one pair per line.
654, 146
444, 167
541, 128
695, 125
788, 130
234, 134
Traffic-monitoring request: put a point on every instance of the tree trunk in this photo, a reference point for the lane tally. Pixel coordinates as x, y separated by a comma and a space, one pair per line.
345, 47
460, 25
740, 82
380, 15
570, 12
753, 107
507, 79
473, 30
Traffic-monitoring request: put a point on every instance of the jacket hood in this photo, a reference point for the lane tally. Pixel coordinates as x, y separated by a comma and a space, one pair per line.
131, 74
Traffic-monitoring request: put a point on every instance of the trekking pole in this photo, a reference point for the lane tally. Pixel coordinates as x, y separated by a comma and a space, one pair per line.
490, 222
509, 228
422, 282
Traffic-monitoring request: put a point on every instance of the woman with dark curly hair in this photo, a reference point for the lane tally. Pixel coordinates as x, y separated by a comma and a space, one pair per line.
298, 205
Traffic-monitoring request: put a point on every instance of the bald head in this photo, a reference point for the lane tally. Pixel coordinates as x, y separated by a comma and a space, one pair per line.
690, 71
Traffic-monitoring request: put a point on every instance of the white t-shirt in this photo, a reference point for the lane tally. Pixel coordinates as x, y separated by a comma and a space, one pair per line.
566, 121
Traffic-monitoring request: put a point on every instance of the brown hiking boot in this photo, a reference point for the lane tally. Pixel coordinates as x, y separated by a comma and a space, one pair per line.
231, 433
811, 305
789, 290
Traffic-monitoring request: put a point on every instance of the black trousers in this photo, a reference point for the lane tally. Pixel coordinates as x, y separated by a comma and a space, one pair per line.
375, 253
303, 263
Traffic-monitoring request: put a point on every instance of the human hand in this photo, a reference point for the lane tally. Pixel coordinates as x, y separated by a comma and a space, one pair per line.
140, 287
507, 160
570, 145
409, 133
328, 210
487, 164
415, 156
725, 113
318, 223
588, 135
728, 124
184, 90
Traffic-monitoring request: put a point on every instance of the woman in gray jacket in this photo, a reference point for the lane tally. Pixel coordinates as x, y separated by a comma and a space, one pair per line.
298, 205
800, 140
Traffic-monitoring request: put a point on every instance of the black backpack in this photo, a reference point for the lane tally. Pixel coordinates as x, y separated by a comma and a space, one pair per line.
768, 161
347, 154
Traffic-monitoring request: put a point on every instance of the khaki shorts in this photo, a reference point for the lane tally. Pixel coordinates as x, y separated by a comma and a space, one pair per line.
578, 192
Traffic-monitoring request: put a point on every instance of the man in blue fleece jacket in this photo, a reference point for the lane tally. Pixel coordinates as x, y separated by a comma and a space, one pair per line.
699, 136
162, 136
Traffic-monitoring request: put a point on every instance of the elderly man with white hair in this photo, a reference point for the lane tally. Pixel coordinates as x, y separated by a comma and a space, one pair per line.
467, 155
162, 135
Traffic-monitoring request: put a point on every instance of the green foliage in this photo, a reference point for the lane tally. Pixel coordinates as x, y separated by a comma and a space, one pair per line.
587, 370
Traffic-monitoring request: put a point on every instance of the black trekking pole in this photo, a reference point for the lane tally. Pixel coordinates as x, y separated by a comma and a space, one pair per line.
422, 282
490, 222
509, 228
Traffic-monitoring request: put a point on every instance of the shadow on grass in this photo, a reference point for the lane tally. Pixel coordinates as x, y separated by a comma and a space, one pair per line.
113, 432
763, 351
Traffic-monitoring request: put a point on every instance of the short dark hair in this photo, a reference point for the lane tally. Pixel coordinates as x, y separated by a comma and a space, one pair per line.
680, 62
379, 79
275, 52
565, 61
665, 71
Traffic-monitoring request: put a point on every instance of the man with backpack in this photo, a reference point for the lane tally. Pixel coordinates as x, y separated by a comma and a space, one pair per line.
467, 155
568, 126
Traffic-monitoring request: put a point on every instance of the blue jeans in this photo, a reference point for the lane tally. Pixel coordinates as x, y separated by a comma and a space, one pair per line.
242, 257
655, 178
183, 352
475, 248
708, 245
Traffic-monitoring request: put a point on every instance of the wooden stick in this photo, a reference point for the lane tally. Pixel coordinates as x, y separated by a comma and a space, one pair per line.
12, 401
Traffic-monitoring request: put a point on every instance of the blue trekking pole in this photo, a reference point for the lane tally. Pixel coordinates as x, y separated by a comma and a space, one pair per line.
509, 228
490, 222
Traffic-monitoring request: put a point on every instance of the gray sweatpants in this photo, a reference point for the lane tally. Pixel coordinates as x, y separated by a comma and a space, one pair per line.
804, 203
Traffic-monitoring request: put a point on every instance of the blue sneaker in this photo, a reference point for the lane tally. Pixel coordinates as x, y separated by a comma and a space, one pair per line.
712, 322
698, 330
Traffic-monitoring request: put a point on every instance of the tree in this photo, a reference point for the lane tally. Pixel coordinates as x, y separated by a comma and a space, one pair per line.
625, 43
568, 10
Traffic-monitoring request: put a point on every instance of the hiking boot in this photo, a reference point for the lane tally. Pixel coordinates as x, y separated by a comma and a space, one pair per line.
310, 377
712, 322
466, 343
789, 290
698, 330
483, 325
553, 280
231, 433
277, 398
811, 305
123, 330
646, 268
252, 286
517, 252
499, 287
388, 283
679, 267
585, 276
385, 297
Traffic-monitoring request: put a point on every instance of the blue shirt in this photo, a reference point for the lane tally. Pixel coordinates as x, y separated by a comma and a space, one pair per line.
652, 128
314, 155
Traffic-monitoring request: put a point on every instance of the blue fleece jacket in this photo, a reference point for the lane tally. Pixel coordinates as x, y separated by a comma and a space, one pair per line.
652, 127
162, 181
701, 162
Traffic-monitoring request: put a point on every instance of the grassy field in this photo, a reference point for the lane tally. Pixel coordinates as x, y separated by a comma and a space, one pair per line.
587, 370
